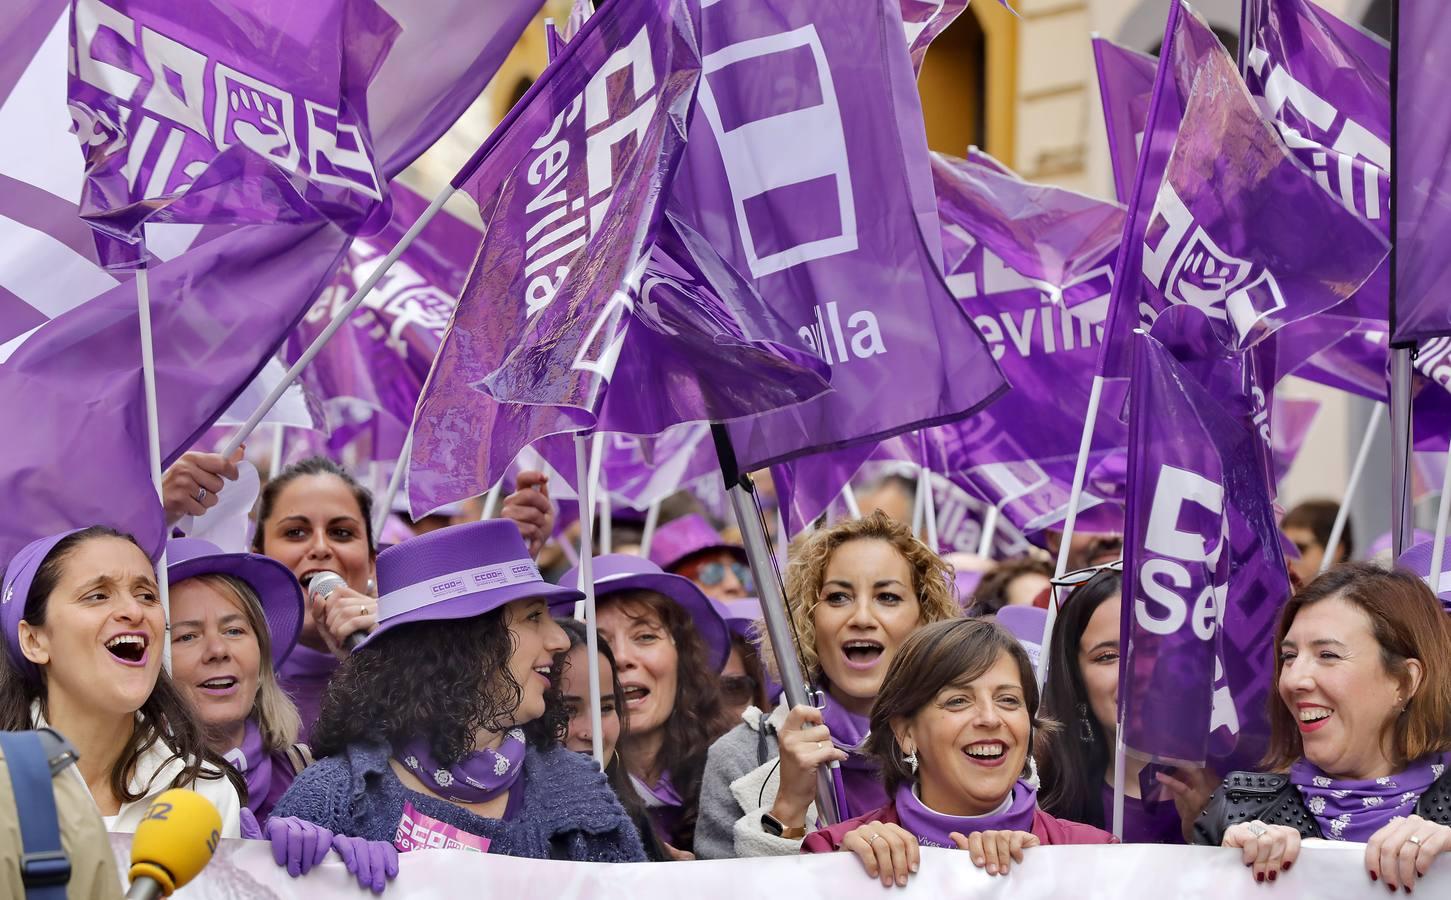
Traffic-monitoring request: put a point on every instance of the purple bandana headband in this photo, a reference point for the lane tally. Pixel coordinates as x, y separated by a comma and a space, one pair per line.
933, 829
477, 778
19, 575
1349, 810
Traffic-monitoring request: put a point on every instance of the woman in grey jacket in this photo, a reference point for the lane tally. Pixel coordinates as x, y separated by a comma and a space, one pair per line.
854, 593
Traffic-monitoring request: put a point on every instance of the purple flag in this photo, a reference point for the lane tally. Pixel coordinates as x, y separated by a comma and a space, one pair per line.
370, 374
1222, 209
924, 21
1204, 577
224, 113
1125, 83
807, 170
1423, 179
540, 324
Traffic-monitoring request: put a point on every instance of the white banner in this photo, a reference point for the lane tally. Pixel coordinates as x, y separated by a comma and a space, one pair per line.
244, 870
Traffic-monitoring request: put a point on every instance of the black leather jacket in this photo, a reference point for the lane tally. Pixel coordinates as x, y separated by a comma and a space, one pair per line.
1273, 800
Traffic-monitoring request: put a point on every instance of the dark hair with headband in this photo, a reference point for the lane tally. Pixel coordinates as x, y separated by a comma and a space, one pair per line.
1073, 762
316, 465
164, 718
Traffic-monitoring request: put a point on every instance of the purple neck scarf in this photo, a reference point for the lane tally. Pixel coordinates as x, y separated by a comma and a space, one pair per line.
255, 764
931, 828
1355, 810
477, 778
861, 789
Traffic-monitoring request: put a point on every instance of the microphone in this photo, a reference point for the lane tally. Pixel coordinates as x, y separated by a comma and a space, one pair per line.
173, 843
322, 585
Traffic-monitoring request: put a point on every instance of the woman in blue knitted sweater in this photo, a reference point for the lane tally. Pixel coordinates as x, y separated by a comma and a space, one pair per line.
442, 729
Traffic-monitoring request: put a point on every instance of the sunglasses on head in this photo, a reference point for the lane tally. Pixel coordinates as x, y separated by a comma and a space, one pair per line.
1070, 581
713, 573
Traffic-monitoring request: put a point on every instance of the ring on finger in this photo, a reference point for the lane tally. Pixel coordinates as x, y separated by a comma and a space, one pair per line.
1257, 829
362, 610
1415, 839
201, 495
876, 836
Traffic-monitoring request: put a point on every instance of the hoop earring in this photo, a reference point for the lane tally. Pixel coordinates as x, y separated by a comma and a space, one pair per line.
1085, 730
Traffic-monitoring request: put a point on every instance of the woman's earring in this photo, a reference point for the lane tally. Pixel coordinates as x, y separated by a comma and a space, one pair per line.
911, 760
1085, 730
371, 586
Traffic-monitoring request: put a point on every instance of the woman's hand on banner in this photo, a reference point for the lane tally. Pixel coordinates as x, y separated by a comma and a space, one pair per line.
995, 851
1267, 849
889, 852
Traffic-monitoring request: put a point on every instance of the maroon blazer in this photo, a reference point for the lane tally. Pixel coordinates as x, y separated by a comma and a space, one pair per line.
1047, 829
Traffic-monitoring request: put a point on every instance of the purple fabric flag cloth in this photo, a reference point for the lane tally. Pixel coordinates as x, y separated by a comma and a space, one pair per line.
1423, 176
807, 486
924, 21
1125, 83
807, 170
1194, 681
569, 185
225, 114
371, 373
1221, 209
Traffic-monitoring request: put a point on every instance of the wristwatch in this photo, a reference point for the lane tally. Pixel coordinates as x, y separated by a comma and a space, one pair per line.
771, 825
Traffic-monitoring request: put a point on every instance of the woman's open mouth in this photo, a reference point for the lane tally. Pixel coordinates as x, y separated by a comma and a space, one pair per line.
635, 696
862, 654
986, 753
128, 649
220, 686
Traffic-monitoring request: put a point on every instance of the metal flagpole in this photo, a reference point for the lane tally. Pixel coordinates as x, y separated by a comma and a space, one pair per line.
741, 491
989, 531
652, 519
153, 439
929, 509
380, 516
848, 497
1400, 450
586, 584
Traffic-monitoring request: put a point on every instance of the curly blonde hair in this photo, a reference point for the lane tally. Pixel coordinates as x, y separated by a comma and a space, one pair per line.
932, 579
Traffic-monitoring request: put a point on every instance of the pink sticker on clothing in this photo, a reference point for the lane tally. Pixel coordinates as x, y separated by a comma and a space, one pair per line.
417, 831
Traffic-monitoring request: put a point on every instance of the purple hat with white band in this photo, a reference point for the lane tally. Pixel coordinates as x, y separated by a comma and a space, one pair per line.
458, 572
682, 538
19, 575
621, 572
272, 582
1418, 560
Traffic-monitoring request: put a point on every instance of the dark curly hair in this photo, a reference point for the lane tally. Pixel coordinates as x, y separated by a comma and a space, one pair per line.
164, 718
446, 680
698, 718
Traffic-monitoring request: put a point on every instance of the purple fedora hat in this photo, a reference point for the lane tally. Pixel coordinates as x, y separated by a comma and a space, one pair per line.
681, 538
1418, 559
19, 574
458, 572
740, 616
273, 583
620, 572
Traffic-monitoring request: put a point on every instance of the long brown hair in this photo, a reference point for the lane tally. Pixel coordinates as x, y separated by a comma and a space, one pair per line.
697, 719
165, 717
1408, 623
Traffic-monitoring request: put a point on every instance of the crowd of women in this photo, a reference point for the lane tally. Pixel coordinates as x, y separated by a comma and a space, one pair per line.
440, 696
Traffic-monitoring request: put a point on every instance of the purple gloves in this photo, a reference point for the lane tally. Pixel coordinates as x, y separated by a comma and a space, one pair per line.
374, 863
297, 844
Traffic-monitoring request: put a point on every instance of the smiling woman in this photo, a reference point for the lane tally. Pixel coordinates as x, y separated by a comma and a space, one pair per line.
1360, 737
83, 630
953, 729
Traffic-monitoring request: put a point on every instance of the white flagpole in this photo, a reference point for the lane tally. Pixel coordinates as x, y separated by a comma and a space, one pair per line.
275, 464
1443, 512
919, 503
848, 496
153, 441
1080, 472
491, 500
586, 584
1119, 774
652, 519
930, 510
380, 515
337, 321
1343, 514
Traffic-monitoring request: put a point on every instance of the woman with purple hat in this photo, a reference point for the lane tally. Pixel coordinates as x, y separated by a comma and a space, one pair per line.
234, 619
1360, 732
670, 644
743, 681
442, 729
316, 519
953, 730
83, 631
854, 593
691, 548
